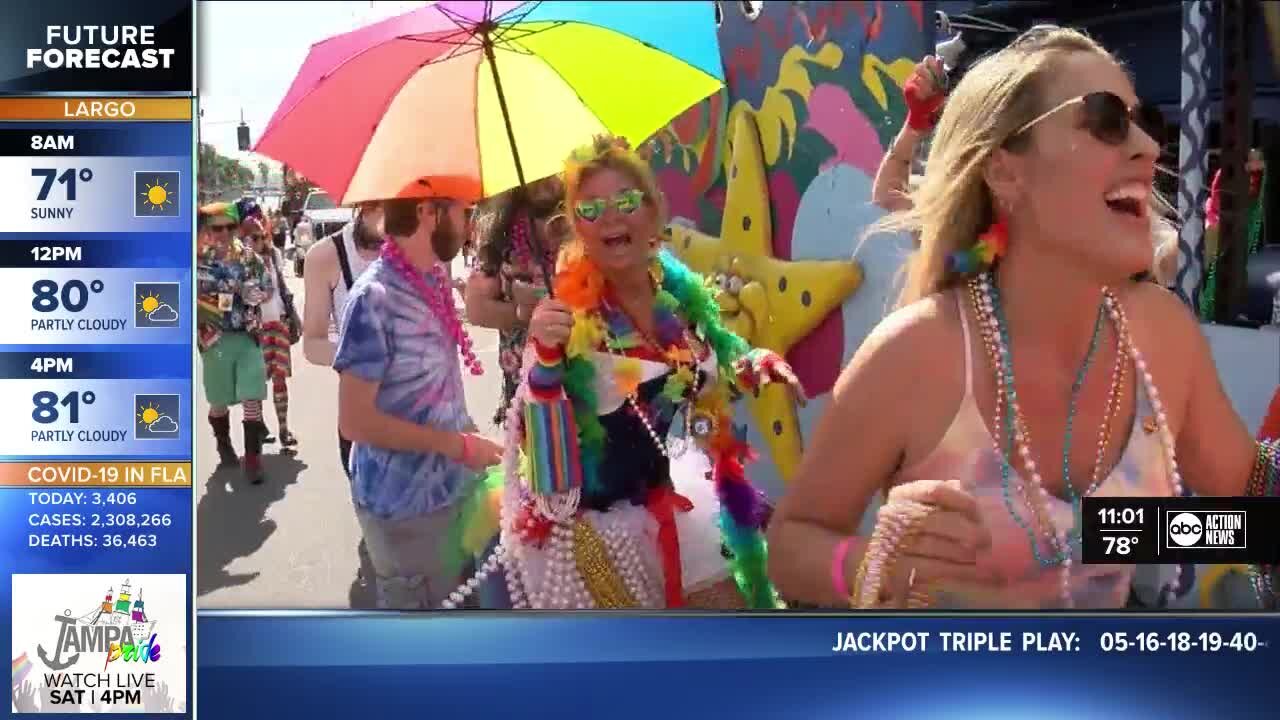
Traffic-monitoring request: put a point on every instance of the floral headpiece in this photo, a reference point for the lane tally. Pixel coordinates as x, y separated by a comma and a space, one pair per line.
213, 210
600, 146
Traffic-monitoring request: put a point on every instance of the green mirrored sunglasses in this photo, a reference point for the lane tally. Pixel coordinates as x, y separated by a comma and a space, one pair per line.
627, 202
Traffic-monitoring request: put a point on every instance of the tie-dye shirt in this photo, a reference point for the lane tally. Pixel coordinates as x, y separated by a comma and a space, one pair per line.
390, 337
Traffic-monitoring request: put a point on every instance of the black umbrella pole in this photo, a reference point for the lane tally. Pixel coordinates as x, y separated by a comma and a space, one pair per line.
515, 156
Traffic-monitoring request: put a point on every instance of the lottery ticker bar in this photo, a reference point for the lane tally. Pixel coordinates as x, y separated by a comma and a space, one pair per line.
97, 158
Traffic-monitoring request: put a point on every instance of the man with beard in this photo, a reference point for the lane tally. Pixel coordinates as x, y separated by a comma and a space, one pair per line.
400, 400
333, 264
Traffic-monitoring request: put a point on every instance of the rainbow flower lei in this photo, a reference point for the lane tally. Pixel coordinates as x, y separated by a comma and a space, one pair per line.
686, 296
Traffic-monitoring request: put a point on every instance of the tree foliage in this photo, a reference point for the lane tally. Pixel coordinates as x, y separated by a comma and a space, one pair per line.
221, 177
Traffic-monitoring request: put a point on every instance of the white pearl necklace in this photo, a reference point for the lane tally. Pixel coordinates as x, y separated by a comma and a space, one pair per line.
1059, 538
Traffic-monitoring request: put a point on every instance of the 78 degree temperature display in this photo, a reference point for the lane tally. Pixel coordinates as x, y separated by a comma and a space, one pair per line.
1121, 545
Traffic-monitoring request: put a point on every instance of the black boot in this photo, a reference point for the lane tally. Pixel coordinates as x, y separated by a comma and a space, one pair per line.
254, 431
222, 433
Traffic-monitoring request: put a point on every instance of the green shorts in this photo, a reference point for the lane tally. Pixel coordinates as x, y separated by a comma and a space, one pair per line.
234, 371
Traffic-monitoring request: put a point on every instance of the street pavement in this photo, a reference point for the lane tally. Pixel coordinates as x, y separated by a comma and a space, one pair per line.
293, 542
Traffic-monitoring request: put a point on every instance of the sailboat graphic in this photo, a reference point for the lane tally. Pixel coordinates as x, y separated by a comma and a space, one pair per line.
122, 609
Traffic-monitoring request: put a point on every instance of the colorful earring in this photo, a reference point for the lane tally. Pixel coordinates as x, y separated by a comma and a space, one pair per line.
991, 244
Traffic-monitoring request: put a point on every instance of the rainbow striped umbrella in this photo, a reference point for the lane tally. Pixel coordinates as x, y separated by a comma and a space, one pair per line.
470, 99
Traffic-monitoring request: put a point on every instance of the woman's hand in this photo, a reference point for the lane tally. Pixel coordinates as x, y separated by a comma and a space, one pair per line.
761, 367
781, 371
945, 546
924, 92
551, 323
527, 294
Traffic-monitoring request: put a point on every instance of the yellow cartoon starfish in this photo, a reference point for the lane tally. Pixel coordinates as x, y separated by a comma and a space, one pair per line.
772, 303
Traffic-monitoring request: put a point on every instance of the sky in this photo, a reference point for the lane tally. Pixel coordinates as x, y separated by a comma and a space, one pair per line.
249, 52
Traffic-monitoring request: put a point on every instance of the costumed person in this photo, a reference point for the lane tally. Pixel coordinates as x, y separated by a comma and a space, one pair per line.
279, 229
281, 327
1024, 369
332, 266
1213, 250
924, 92
232, 282
599, 508
512, 268
415, 452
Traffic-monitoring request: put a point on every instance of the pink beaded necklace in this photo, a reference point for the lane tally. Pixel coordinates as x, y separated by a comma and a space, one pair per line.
523, 248
439, 299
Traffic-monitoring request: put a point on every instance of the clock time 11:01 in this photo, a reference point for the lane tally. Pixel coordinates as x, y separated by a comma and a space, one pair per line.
1120, 516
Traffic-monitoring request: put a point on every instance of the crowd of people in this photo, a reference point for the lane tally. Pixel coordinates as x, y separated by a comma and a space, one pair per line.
621, 480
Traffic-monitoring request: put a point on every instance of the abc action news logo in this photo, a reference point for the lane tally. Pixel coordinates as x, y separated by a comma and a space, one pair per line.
1207, 529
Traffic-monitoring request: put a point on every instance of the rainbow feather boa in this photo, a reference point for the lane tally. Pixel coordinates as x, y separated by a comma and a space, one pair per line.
686, 294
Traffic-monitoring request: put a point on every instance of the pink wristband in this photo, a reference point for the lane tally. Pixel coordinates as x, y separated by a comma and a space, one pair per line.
837, 566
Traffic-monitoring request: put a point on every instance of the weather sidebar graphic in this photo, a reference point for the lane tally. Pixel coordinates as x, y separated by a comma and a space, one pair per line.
96, 381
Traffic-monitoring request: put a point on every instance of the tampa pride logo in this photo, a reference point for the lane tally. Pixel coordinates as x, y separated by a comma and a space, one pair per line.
1185, 529
117, 627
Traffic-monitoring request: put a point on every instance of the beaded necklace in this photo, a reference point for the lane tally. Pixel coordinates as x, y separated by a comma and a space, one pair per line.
682, 382
523, 249
995, 335
1069, 486
438, 298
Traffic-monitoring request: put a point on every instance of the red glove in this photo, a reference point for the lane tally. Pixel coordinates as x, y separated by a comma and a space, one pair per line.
922, 113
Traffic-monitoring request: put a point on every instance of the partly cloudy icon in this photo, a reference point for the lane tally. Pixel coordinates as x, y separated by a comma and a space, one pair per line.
156, 418
163, 424
157, 304
164, 313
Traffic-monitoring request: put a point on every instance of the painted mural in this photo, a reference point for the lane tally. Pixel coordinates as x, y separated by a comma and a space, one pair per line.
769, 185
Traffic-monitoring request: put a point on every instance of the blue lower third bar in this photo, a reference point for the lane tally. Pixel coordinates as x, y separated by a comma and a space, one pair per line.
775, 666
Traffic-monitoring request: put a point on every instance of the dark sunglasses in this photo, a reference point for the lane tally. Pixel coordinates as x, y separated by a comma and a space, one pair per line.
1106, 116
220, 228
626, 202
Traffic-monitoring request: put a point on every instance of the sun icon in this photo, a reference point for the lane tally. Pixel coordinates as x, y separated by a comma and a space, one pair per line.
157, 195
149, 303
148, 415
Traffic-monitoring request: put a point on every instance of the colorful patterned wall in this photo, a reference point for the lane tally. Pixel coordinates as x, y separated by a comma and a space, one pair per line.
777, 173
